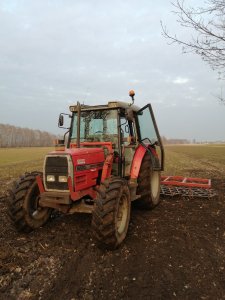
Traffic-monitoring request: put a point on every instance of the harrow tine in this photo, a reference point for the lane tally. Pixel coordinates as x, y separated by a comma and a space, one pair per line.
172, 191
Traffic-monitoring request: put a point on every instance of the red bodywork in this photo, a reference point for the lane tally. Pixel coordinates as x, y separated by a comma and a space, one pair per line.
136, 163
107, 167
137, 160
88, 165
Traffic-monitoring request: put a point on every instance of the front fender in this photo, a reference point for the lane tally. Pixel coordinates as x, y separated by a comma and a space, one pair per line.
40, 184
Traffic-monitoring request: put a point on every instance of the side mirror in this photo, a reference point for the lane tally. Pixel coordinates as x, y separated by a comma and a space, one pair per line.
129, 114
61, 120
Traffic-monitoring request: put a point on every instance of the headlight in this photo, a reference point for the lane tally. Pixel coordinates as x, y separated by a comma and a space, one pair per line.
50, 178
62, 178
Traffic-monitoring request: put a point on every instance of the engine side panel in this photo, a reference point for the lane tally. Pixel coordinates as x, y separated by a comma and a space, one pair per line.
86, 168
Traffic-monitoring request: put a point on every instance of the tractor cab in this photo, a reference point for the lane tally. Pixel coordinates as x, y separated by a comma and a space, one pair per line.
117, 128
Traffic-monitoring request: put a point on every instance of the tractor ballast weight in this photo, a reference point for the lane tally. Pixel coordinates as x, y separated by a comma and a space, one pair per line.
113, 156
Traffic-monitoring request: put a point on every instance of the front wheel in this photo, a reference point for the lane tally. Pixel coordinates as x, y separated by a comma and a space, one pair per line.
23, 206
111, 214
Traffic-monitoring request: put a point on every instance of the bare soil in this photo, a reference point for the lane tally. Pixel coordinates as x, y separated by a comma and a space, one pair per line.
176, 251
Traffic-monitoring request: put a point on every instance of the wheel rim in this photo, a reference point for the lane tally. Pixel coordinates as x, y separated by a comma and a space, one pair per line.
155, 183
122, 214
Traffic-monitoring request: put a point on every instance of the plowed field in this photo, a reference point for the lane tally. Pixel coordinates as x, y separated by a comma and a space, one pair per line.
176, 251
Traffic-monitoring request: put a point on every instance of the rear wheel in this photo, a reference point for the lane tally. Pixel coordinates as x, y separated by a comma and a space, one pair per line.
148, 184
23, 206
111, 214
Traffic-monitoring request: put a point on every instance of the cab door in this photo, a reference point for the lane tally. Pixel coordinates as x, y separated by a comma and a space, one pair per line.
148, 136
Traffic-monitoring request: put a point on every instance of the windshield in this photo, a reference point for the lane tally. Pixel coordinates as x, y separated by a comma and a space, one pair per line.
96, 126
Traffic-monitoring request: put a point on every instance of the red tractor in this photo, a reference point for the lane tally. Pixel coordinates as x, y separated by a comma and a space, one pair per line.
113, 156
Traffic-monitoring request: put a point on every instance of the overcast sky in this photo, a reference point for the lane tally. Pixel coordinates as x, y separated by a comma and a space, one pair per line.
53, 53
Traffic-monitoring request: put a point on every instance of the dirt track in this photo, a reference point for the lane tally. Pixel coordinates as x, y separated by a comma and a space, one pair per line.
176, 251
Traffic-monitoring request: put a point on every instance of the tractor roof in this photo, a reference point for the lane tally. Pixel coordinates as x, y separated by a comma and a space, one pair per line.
110, 105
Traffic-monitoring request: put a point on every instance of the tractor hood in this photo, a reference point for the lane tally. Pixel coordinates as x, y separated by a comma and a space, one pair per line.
81, 164
82, 156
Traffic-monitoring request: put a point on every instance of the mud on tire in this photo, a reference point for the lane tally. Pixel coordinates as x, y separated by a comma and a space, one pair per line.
111, 214
23, 209
148, 185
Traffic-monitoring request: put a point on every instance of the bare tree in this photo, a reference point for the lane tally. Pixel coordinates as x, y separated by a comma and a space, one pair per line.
208, 31
12, 136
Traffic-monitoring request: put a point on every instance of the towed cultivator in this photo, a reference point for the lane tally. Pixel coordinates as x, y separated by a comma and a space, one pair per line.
186, 187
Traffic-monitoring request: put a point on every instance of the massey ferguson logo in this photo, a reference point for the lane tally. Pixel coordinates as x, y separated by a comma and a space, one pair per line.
81, 161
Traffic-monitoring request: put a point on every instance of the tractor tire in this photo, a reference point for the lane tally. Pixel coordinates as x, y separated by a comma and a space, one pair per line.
23, 208
148, 185
111, 213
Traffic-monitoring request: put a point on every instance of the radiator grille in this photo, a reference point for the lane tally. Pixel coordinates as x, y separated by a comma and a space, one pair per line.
57, 166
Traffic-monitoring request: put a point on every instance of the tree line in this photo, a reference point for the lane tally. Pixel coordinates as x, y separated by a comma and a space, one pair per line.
167, 141
12, 136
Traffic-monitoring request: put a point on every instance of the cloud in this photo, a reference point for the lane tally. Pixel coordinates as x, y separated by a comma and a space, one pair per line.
181, 80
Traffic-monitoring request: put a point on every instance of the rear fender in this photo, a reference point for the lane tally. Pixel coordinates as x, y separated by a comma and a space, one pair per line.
137, 161
138, 157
